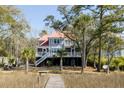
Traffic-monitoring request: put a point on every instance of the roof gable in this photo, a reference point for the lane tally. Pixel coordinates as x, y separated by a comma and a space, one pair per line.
53, 35
56, 35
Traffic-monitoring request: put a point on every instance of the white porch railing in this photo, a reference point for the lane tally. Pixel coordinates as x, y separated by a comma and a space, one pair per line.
68, 54
43, 57
68, 44
75, 54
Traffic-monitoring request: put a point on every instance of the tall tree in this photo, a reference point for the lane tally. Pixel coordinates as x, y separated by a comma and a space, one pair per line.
61, 53
27, 54
112, 44
109, 18
82, 25
13, 27
43, 32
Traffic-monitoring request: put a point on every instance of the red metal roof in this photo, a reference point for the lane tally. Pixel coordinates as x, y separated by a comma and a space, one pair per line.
43, 38
53, 35
56, 35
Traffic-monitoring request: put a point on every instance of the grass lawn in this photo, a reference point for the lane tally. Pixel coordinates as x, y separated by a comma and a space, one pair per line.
99, 80
19, 79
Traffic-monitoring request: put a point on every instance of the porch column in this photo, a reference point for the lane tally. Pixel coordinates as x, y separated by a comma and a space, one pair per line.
71, 51
74, 52
50, 47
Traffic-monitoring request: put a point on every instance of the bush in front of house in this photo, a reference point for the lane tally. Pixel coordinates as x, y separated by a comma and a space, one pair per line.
91, 61
49, 63
117, 63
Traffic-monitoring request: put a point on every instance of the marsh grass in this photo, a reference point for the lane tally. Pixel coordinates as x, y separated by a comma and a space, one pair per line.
114, 80
20, 79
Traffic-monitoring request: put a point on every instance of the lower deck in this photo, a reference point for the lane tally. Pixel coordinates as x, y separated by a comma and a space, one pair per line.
67, 61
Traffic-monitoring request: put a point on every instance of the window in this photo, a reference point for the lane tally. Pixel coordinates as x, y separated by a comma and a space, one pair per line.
68, 49
66, 42
47, 49
56, 41
39, 49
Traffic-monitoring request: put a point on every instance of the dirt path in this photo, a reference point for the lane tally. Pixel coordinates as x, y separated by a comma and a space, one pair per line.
55, 81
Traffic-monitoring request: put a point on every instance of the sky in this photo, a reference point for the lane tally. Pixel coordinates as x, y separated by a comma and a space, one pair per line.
35, 14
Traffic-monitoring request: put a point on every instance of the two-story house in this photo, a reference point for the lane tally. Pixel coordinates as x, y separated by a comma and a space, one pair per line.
48, 46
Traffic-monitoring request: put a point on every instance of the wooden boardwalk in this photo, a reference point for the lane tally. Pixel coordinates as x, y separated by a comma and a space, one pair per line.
55, 81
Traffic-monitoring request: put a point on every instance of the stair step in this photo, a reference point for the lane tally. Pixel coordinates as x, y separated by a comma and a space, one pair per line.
41, 59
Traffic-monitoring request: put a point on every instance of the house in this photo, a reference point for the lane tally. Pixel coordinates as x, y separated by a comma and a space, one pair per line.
48, 46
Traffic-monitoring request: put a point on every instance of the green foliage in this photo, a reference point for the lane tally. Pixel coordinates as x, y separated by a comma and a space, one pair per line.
10, 12
49, 63
43, 32
28, 53
3, 53
117, 63
12, 60
103, 61
91, 60
61, 52
13, 27
1, 62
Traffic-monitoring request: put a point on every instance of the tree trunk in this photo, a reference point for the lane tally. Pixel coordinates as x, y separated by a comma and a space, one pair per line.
94, 60
82, 60
85, 63
99, 56
118, 68
108, 71
84, 49
108, 54
100, 38
83, 52
61, 64
27, 62
17, 62
86, 58
94, 57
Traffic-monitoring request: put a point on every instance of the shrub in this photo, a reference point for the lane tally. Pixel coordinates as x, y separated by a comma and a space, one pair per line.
91, 61
49, 63
1, 64
117, 63
103, 61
